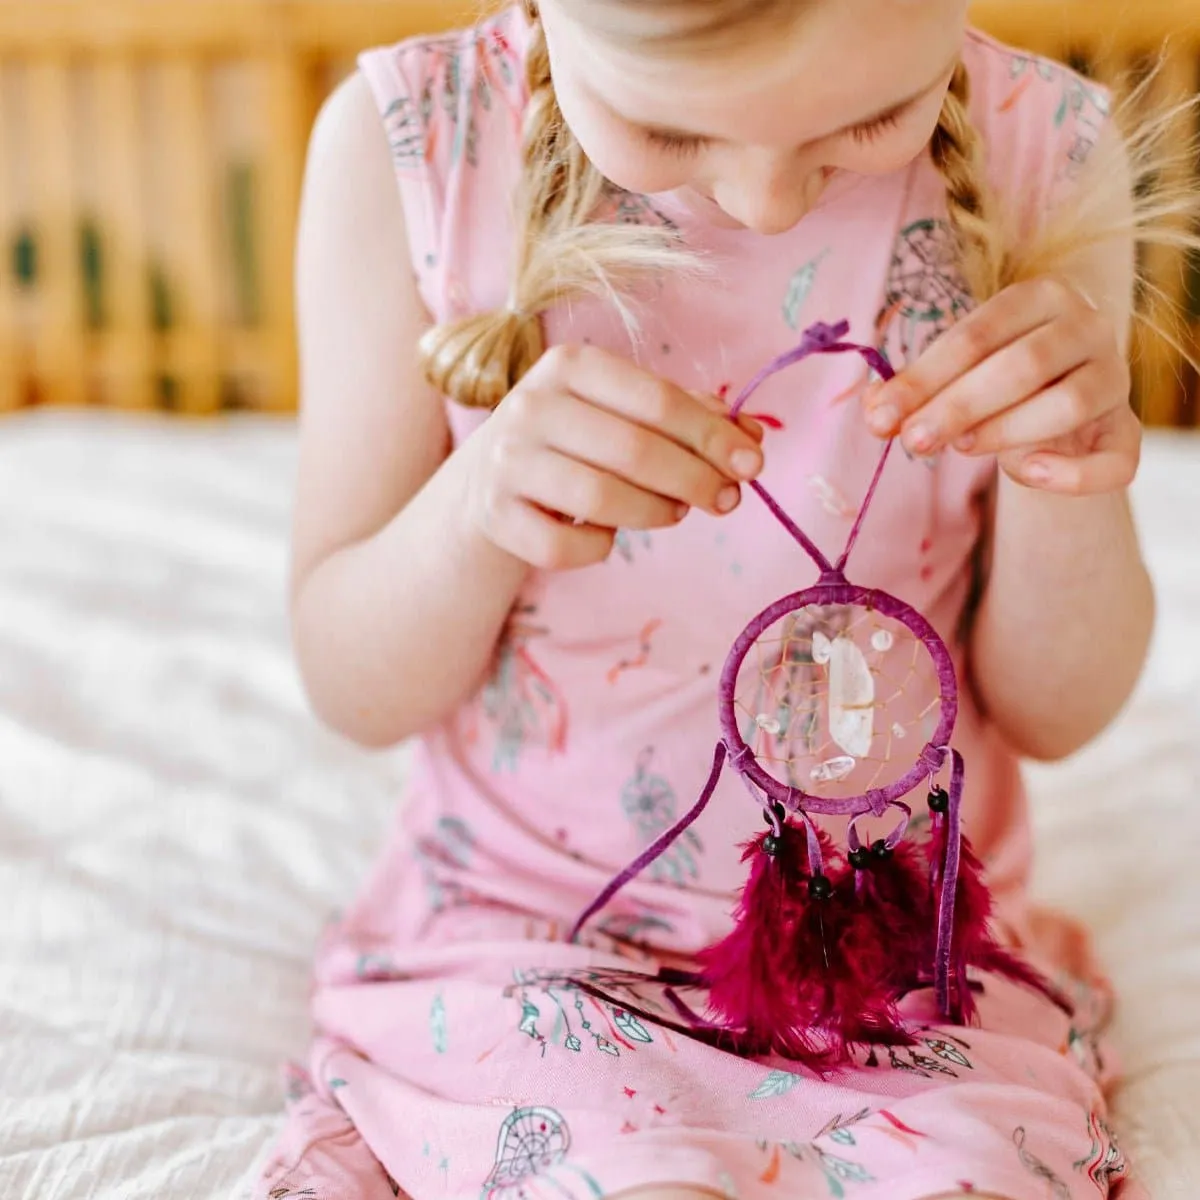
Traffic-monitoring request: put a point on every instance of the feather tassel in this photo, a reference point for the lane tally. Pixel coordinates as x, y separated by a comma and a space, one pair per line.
768, 980
973, 944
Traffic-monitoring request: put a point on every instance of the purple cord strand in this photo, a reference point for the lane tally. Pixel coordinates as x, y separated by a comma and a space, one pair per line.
658, 849
816, 859
816, 338
943, 967
806, 543
876, 479
819, 339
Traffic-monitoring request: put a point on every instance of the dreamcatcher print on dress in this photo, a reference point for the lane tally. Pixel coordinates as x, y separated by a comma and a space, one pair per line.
926, 291
837, 701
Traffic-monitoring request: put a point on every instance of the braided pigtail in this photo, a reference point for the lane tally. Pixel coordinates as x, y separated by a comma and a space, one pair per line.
958, 154
1136, 188
561, 251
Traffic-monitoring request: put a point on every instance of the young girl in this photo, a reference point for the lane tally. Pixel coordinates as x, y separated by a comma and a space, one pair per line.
584, 222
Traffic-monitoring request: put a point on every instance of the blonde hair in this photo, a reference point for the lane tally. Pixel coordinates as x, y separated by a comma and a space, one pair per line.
560, 251
563, 251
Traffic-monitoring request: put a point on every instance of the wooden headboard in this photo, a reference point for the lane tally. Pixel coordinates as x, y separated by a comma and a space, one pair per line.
151, 154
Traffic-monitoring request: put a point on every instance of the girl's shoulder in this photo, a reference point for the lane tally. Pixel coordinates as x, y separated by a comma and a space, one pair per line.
1039, 119
453, 107
436, 92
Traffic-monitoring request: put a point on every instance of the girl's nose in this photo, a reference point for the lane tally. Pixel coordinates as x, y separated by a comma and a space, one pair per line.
769, 193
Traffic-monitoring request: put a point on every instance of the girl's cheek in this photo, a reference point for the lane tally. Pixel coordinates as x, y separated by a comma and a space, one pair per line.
621, 155
883, 159
893, 152
626, 161
636, 171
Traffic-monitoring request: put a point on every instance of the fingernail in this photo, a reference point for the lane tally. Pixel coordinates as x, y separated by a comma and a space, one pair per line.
1036, 471
920, 439
681, 511
883, 420
966, 443
746, 464
729, 499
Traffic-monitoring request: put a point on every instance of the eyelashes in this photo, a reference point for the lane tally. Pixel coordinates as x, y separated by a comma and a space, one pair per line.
682, 145
872, 131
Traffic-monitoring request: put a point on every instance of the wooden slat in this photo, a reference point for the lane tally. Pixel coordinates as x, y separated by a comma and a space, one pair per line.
246, 350
1121, 38
337, 26
1160, 365
10, 366
228, 27
192, 262
238, 27
1113, 66
126, 341
59, 344
1143, 23
1191, 402
288, 110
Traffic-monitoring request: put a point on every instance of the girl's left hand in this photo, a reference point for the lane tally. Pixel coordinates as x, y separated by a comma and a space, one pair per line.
1037, 377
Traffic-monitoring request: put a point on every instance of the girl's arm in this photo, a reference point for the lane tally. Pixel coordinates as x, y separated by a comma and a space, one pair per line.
1065, 621
1039, 377
408, 558
397, 601
1064, 625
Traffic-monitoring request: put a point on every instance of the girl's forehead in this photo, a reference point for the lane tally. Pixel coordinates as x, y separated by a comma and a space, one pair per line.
841, 62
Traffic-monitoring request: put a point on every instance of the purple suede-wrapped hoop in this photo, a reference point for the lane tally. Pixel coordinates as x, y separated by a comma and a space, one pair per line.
825, 595
833, 589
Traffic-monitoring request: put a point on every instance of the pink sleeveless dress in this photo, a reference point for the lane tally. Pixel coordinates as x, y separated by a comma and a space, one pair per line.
444, 1064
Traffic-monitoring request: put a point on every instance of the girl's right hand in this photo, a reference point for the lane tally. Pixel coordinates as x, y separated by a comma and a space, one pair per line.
588, 444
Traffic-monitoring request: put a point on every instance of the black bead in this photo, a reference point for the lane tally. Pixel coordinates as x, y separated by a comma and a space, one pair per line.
939, 801
770, 845
819, 887
860, 859
776, 815
881, 851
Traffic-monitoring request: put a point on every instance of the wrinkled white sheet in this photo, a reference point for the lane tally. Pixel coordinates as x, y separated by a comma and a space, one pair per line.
174, 828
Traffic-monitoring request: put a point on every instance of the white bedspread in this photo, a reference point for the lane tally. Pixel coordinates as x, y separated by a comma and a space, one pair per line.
174, 827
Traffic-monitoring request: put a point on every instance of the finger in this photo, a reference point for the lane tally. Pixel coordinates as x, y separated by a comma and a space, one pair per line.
547, 542
1111, 469
613, 383
1087, 392
1108, 471
716, 404
1015, 312
580, 491
641, 456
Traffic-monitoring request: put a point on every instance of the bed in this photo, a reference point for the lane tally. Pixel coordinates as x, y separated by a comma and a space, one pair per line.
174, 826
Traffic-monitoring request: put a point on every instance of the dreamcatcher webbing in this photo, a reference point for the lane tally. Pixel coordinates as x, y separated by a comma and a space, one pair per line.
780, 982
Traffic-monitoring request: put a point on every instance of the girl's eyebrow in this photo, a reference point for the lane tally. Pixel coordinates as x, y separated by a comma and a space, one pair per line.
892, 110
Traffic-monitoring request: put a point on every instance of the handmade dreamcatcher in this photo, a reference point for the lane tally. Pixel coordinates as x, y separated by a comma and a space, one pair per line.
838, 701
